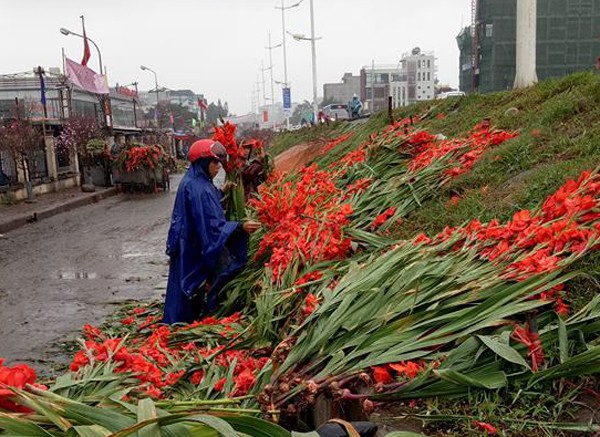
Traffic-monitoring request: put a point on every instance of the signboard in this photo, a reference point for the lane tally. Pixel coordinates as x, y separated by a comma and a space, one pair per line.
287, 100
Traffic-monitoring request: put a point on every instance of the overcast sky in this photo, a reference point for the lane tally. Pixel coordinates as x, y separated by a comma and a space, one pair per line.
216, 47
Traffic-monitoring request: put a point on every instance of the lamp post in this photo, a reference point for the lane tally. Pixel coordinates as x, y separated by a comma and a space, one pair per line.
285, 77
312, 39
144, 68
65, 31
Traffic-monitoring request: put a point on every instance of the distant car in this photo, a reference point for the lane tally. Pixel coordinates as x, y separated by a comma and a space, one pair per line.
337, 111
450, 94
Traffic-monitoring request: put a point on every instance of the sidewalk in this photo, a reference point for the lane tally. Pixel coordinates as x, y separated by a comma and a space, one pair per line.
48, 205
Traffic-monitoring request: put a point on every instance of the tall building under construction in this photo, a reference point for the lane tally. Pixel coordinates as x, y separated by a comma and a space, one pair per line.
568, 33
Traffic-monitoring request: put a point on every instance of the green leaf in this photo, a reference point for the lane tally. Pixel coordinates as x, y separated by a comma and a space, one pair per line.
146, 411
404, 434
91, 431
490, 380
255, 427
563, 343
216, 423
17, 426
503, 350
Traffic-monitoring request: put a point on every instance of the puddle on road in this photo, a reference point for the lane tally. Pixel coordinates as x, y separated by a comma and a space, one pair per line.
136, 255
76, 275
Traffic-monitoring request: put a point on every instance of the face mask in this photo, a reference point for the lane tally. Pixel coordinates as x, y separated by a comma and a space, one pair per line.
220, 178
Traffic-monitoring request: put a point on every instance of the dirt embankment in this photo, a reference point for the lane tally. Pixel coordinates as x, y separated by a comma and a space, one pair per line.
297, 156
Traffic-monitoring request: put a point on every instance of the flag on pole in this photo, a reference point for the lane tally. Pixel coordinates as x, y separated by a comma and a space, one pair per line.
86, 46
201, 104
172, 119
42, 89
85, 78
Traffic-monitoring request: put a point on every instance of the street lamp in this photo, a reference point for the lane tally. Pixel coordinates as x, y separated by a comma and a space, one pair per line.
65, 32
144, 68
312, 39
285, 77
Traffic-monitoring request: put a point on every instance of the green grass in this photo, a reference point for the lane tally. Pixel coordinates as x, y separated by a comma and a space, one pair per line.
559, 127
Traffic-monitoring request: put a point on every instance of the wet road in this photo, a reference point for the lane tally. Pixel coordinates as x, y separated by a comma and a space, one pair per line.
76, 268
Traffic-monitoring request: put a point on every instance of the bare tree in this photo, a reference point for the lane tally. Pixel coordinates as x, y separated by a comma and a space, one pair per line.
21, 140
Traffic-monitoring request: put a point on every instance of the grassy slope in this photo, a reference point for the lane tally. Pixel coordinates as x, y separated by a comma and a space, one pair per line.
560, 137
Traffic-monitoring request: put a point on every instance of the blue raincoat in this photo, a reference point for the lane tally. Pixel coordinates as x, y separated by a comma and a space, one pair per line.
205, 250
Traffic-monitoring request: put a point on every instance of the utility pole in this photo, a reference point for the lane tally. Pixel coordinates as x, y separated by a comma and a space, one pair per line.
372, 86
270, 48
262, 69
286, 84
314, 62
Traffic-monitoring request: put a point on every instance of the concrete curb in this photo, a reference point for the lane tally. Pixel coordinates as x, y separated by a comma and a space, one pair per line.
31, 217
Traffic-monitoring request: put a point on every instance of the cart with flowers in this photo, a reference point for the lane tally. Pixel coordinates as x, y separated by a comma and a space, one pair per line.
143, 168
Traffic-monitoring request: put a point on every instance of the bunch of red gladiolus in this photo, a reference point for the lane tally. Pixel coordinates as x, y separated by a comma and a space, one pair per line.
138, 157
533, 242
159, 356
16, 376
464, 153
226, 135
304, 219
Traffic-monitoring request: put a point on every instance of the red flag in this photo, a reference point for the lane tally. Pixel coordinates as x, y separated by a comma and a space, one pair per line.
171, 118
201, 104
86, 47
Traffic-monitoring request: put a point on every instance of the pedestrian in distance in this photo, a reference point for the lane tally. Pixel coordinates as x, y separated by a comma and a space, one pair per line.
205, 250
354, 107
255, 170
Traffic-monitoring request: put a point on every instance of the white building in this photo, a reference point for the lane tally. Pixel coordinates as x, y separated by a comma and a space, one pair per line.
411, 80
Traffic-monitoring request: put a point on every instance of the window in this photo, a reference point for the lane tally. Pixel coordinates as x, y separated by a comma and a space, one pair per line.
489, 30
419, 76
428, 76
429, 63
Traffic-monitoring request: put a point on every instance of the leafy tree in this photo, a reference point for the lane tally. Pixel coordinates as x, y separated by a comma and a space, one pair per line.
304, 109
215, 112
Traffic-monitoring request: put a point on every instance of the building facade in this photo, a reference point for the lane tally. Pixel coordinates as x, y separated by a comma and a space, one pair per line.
342, 92
411, 80
53, 168
567, 41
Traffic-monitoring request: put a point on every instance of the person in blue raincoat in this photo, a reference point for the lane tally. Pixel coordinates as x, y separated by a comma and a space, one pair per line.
205, 250
354, 106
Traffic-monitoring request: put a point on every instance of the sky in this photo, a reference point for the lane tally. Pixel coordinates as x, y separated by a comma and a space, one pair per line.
218, 47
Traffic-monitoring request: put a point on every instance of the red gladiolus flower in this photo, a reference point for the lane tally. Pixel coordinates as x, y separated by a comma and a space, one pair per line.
16, 376
381, 375
382, 218
310, 303
220, 384
532, 341
153, 392
410, 369
244, 381
197, 377
91, 332
486, 427
128, 321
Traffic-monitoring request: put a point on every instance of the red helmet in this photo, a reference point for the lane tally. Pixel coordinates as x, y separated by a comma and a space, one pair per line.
207, 149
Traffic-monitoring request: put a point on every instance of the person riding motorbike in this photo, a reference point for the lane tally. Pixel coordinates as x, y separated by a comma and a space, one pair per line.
354, 107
